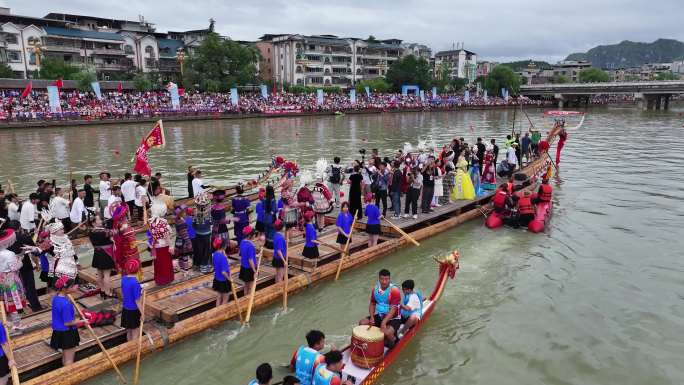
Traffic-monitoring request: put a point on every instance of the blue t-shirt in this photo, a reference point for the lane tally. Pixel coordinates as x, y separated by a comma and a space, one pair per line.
130, 291
344, 221
221, 264
62, 312
259, 211
3, 338
373, 213
247, 253
310, 235
279, 244
191, 230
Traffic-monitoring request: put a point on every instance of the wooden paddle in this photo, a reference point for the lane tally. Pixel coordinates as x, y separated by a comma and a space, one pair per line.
10, 351
346, 250
235, 299
402, 232
35, 234
287, 266
254, 284
136, 376
75, 228
97, 339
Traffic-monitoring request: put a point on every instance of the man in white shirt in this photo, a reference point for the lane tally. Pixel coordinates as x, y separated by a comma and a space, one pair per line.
78, 210
13, 207
105, 191
113, 198
141, 197
60, 207
198, 184
27, 218
128, 191
511, 158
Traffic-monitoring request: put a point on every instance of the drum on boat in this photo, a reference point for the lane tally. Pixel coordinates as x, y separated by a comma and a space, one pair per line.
367, 346
291, 217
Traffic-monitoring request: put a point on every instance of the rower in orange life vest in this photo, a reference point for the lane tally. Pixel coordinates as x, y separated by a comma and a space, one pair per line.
384, 306
525, 209
306, 358
545, 192
327, 374
502, 199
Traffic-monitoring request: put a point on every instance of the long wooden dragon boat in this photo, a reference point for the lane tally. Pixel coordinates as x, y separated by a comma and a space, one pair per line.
185, 307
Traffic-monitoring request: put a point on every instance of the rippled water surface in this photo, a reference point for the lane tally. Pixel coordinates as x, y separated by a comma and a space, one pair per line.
599, 299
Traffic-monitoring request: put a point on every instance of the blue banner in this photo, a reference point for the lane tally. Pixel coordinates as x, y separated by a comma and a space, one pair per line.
234, 96
175, 98
434, 92
319, 97
422, 95
264, 91
96, 89
367, 91
466, 96
485, 95
53, 98
352, 96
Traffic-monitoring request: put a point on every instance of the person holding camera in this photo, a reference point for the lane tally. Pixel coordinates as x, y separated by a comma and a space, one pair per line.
335, 179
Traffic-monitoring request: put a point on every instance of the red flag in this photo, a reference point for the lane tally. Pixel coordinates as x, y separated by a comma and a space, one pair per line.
120, 88
181, 91
155, 138
59, 83
27, 90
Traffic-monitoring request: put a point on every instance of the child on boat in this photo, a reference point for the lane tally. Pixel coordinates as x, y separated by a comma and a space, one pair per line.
65, 335
264, 375
131, 293
248, 260
221, 271
411, 307
327, 374
306, 358
310, 247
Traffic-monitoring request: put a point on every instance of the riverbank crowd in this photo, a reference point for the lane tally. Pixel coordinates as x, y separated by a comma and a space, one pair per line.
79, 105
36, 233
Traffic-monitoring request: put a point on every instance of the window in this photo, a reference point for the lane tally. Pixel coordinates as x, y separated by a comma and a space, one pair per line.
128, 49
12, 38
312, 47
14, 56
33, 40
149, 51
299, 69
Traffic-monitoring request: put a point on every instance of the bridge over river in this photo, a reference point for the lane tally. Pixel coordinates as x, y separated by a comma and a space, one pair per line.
652, 95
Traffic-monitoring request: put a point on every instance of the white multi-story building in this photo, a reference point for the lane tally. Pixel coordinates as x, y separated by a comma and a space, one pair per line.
328, 60
570, 69
460, 63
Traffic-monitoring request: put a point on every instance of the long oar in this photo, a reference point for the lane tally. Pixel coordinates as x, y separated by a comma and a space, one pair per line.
334, 247
254, 284
402, 232
346, 250
136, 376
235, 299
287, 266
10, 350
35, 234
97, 339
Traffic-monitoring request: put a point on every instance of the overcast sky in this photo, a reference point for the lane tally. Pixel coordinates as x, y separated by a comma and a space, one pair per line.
495, 29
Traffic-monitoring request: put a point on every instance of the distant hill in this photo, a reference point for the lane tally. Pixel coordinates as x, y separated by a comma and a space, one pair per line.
632, 54
518, 66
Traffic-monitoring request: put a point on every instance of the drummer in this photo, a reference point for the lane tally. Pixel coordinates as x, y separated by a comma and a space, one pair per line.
327, 374
306, 358
383, 310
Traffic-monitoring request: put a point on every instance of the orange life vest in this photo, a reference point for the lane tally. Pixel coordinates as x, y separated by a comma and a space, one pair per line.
509, 187
500, 198
545, 192
525, 206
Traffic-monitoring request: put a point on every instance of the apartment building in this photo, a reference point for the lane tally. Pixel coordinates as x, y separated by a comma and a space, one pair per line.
329, 60
460, 63
570, 69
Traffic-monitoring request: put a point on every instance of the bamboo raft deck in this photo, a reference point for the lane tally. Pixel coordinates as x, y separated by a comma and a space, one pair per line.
186, 306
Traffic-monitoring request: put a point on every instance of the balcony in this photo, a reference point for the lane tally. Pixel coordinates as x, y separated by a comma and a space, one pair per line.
107, 51
114, 66
61, 48
166, 66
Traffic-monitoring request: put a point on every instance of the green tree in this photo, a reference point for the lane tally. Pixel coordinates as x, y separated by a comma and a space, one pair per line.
409, 70
375, 85
593, 75
142, 82
560, 79
55, 69
218, 65
666, 76
372, 39
84, 78
502, 77
6, 71
457, 84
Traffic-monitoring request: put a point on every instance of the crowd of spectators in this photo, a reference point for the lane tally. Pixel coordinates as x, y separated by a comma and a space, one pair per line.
79, 105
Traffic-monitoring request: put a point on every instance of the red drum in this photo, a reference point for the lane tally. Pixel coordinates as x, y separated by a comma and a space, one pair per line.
367, 346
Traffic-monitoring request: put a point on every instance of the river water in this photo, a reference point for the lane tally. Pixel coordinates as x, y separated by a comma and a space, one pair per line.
598, 299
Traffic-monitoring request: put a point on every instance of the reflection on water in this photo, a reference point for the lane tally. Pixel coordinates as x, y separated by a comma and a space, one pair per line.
599, 299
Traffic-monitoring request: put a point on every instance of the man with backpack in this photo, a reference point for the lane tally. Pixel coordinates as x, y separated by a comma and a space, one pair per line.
335, 178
